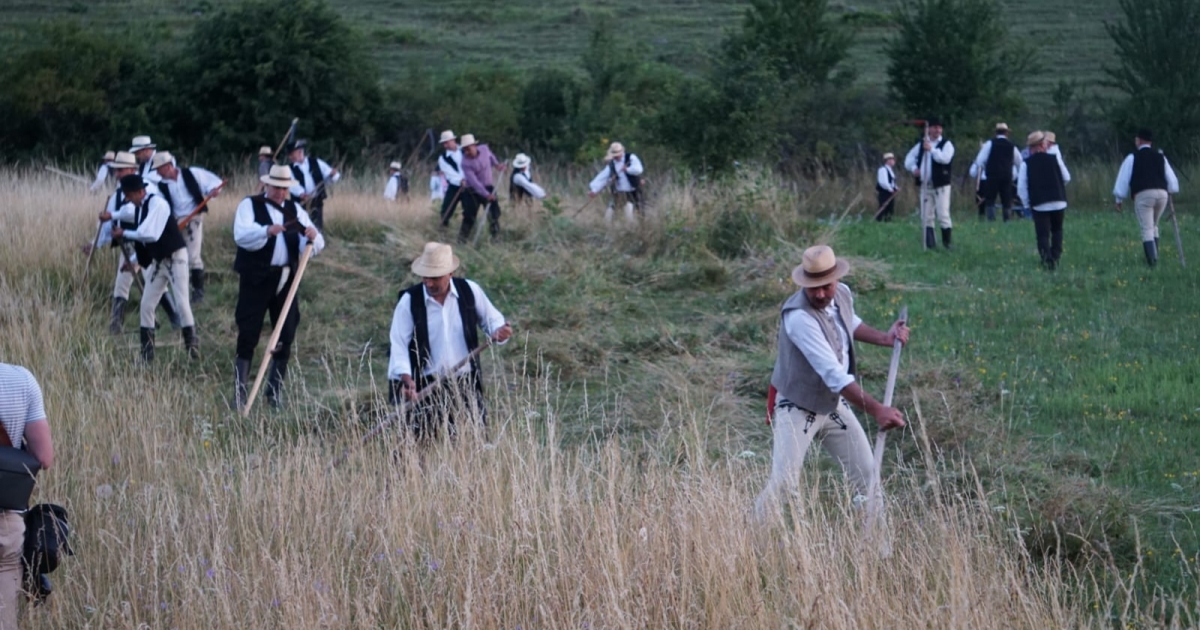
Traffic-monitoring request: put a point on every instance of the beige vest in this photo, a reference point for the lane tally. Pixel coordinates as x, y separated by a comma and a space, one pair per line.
794, 377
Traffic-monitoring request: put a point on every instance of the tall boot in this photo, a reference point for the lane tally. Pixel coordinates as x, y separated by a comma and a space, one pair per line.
118, 315
1151, 248
172, 314
190, 342
991, 212
946, 237
147, 335
241, 372
278, 372
930, 239
1007, 214
197, 284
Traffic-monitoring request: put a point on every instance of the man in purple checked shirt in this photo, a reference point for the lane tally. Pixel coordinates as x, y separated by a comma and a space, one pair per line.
478, 162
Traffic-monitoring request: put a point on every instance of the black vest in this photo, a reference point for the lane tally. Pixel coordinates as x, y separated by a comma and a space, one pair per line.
418, 348
314, 169
170, 241
450, 160
891, 182
118, 199
189, 184
635, 181
1000, 160
1149, 171
256, 264
941, 172
1044, 179
515, 192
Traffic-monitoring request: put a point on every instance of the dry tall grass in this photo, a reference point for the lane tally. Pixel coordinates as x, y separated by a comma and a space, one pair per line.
189, 517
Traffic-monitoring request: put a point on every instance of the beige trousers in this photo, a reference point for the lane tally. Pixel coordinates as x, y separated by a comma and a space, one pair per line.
1149, 205
193, 236
124, 280
172, 272
841, 435
935, 204
12, 542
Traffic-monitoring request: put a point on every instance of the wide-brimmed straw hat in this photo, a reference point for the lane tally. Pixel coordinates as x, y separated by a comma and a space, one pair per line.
109, 155
395, 166
265, 150
1035, 137
615, 151
889, 156
467, 140
123, 159
521, 161
436, 261
280, 177
447, 136
162, 158
141, 142
1051, 138
819, 267
1001, 126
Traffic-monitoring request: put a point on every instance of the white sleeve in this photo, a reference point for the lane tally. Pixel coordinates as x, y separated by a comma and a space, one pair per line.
101, 176
1062, 167
326, 170
881, 178
401, 335
530, 187
1172, 180
306, 221
600, 180
805, 332
944, 154
389, 191
1017, 159
246, 233
1023, 184
207, 179
910, 160
980, 163
635, 165
1121, 187
105, 228
152, 226
489, 318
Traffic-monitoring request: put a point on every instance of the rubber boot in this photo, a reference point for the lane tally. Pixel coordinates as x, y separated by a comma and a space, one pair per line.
1007, 214
930, 239
991, 213
172, 314
241, 372
118, 315
197, 284
190, 342
946, 237
1151, 252
278, 372
147, 335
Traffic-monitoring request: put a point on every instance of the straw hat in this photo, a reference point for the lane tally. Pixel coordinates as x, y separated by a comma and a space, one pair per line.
1035, 137
447, 136
279, 177
1051, 138
889, 156
132, 183
521, 161
616, 151
436, 261
265, 150
819, 268
467, 140
1001, 126
141, 142
162, 158
109, 155
395, 166
123, 159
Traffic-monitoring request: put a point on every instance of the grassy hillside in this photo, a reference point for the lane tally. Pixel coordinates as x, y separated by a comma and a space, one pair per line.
532, 33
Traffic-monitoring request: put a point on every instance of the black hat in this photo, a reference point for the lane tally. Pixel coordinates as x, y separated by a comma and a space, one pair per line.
298, 144
1145, 134
132, 183
933, 121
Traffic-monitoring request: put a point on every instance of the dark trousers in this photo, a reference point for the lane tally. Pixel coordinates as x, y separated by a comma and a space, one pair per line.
471, 209
450, 202
456, 399
885, 202
1049, 228
317, 213
989, 189
256, 298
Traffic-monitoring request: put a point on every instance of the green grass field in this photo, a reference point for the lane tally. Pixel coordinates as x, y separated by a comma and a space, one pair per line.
1069, 35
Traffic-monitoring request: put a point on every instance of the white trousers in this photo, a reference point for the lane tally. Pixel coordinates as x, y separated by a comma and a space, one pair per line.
193, 236
839, 433
172, 272
1149, 205
935, 204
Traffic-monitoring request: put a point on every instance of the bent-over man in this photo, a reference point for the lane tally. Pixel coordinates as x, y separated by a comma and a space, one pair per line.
1148, 177
103, 172
435, 326
1042, 186
160, 245
886, 189
184, 189
478, 162
313, 177
814, 379
450, 165
998, 158
930, 161
521, 188
622, 176
271, 231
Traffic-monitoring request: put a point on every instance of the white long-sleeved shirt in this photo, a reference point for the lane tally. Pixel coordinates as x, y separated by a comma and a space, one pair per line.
184, 204
105, 227
1023, 187
437, 186
446, 343
158, 212
392, 188
942, 156
454, 174
149, 175
249, 235
804, 331
1121, 188
101, 177
979, 166
521, 178
600, 182
885, 177
307, 185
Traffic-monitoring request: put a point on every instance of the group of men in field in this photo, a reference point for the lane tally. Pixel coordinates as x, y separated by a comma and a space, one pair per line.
1036, 175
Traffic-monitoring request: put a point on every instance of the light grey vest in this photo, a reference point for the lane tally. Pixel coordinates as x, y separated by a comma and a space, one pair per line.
794, 377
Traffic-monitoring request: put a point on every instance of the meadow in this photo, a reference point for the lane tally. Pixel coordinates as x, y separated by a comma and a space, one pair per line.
1048, 477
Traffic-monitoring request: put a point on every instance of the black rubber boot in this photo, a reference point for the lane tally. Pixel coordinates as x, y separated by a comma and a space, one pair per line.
147, 335
278, 372
946, 237
172, 314
197, 284
1151, 248
991, 212
190, 342
1007, 214
241, 372
930, 239
118, 315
